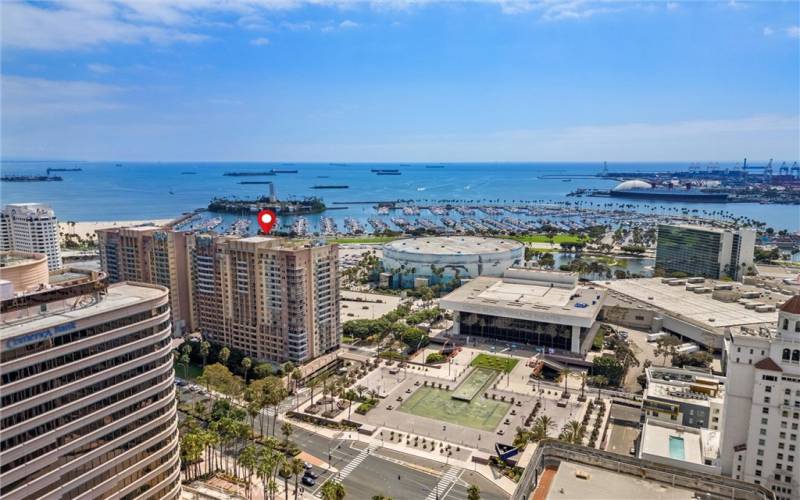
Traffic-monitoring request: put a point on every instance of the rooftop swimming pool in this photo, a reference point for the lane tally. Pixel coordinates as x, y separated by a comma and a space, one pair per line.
676, 448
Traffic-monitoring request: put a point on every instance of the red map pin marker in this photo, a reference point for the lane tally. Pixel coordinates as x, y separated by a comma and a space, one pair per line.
266, 219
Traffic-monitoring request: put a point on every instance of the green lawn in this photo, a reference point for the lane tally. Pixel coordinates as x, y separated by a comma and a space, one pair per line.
500, 363
364, 239
194, 371
542, 238
438, 404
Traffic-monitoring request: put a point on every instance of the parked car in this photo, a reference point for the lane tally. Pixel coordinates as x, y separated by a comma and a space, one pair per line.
308, 481
310, 473
308, 466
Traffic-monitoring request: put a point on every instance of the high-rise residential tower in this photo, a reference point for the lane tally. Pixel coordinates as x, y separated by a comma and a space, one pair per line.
31, 228
152, 255
705, 251
275, 299
761, 436
87, 397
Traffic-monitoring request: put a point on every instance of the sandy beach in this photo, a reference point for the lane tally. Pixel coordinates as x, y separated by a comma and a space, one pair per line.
81, 228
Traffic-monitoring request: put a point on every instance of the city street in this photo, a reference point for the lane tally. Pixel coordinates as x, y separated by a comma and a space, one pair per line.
390, 473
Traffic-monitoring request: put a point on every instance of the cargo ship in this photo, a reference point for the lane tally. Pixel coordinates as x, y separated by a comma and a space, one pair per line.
63, 170
248, 174
30, 178
650, 191
330, 186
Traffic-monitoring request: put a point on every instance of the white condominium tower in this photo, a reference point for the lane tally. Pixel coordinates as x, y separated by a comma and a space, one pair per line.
87, 393
761, 437
31, 228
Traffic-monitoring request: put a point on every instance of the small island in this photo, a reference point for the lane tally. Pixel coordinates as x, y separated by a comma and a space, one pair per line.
308, 205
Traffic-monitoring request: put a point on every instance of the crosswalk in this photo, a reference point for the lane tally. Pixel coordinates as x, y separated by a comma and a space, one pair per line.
449, 477
349, 468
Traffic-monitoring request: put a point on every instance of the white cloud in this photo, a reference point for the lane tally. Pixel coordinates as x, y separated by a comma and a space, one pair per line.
78, 25
557, 10
767, 31
259, 42
673, 5
347, 24
793, 31
100, 68
25, 97
302, 26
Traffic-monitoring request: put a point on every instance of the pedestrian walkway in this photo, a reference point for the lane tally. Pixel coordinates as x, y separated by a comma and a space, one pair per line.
447, 480
357, 461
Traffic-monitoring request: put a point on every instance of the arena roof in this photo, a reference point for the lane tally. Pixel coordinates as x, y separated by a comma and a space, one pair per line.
453, 245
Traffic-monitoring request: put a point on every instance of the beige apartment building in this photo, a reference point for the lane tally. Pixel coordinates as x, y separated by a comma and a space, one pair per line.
150, 254
87, 398
276, 300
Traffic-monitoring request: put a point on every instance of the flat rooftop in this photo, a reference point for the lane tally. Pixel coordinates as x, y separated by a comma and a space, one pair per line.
675, 442
535, 300
602, 484
453, 245
681, 303
696, 388
118, 295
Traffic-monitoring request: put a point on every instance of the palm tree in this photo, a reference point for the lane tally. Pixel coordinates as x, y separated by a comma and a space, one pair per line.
298, 467
247, 363
473, 492
332, 490
542, 426
565, 373
312, 384
572, 432
248, 459
286, 430
184, 360
267, 461
296, 376
583, 386
224, 354
286, 472
600, 381
205, 347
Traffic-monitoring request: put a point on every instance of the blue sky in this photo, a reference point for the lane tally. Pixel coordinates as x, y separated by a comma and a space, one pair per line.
289, 80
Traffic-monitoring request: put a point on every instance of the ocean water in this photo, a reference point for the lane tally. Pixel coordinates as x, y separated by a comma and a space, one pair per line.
133, 191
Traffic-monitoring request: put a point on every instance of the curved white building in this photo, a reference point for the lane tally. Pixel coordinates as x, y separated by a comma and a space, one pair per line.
468, 256
87, 396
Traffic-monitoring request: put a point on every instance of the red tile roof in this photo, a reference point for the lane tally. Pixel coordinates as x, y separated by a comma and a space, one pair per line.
768, 364
792, 306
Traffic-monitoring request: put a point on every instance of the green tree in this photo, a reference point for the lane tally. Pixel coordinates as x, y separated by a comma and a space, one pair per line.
547, 260
572, 433
224, 354
205, 348
666, 346
610, 368
473, 492
332, 490
298, 468
247, 363
286, 430
565, 373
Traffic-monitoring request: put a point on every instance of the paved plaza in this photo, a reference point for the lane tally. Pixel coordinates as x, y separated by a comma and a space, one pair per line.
409, 406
